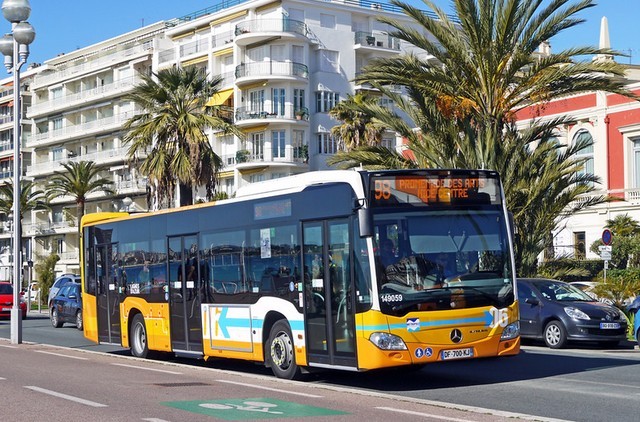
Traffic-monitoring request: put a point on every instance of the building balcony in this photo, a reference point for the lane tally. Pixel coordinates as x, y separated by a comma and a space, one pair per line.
262, 30
101, 93
289, 157
246, 116
131, 187
111, 156
85, 130
272, 71
50, 228
376, 42
107, 61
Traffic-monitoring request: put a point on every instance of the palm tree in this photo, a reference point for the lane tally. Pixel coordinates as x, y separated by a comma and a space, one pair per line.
170, 132
357, 128
461, 106
623, 225
31, 198
78, 180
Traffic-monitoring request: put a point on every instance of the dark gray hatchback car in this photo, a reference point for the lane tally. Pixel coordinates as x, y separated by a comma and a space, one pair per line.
557, 312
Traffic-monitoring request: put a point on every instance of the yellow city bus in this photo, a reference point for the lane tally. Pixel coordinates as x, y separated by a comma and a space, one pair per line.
352, 270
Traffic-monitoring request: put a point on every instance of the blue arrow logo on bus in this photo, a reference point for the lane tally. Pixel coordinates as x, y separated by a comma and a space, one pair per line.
224, 322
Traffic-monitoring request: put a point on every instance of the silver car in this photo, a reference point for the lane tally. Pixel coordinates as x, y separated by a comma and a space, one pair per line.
61, 281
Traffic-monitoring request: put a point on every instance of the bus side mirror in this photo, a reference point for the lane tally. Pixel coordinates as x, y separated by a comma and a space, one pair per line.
364, 218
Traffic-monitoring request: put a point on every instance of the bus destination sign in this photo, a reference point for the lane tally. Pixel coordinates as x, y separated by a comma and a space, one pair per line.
435, 189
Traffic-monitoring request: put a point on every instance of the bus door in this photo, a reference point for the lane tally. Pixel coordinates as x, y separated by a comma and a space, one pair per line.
184, 295
109, 291
329, 294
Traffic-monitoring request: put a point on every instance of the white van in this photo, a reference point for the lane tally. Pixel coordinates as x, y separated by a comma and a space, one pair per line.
33, 292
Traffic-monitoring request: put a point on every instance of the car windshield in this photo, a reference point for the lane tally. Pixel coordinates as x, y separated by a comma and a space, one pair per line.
6, 289
426, 259
561, 291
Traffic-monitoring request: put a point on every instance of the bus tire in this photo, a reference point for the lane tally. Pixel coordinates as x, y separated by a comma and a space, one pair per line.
280, 351
138, 337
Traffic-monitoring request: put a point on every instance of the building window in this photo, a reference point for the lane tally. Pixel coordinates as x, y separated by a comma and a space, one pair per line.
298, 99
57, 123
636, 163
277, 95
326, 100
389, 143
327, 21
257, 145
329, 61
327, 144
586, 154
579, 248
278, 143
256, 178
256, 101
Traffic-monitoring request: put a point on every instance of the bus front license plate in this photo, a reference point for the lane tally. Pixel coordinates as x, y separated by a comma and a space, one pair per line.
457, 354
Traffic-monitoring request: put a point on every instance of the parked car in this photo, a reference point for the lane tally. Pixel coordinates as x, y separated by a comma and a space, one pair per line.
33, 292
558, 312
59, 282
587, 287
633, 308
66, 306
6, 301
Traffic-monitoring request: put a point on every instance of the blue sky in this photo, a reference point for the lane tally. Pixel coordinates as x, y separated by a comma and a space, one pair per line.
66, 25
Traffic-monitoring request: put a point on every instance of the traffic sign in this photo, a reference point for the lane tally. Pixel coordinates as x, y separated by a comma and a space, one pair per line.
605, 252
607, 236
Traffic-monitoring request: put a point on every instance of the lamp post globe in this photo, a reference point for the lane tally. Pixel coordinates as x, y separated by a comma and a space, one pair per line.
16, 10
6, 45
24, 33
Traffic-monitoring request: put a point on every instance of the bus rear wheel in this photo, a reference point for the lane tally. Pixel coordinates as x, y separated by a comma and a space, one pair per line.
280, 352
138, 337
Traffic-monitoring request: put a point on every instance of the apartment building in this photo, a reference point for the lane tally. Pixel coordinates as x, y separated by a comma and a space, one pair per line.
284, 65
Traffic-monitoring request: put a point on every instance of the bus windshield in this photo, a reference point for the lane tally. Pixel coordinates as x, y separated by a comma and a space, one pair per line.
438, 259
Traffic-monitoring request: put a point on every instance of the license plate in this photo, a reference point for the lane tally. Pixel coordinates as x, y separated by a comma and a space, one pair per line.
457, 354
609, 325
6, 309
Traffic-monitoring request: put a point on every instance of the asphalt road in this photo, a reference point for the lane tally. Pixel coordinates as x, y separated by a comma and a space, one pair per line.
581, 383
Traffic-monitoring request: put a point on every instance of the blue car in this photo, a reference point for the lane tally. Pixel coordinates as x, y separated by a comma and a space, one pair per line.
66, 306
633, 308
557, 312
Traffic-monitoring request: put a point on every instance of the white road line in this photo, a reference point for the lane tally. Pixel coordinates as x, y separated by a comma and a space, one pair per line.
60, 354
147, 369
8, 346
65, 396
426, 415
154, 420
270, 389
2, 379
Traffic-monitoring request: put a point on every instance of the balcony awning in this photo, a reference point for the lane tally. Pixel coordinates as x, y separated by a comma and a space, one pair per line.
220, 98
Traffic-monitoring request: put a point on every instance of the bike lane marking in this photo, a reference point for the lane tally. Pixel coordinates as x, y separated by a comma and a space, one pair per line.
251, 408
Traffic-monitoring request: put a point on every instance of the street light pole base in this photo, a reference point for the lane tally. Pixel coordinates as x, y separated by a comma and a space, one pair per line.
16, 325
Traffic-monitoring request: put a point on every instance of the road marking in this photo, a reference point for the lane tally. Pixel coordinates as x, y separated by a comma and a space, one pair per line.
154, 420
426, 415
272, 389
60, 354
147, 369
608, 384
65, 396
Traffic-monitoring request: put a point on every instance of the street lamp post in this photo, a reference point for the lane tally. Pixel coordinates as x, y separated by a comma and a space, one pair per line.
15, 48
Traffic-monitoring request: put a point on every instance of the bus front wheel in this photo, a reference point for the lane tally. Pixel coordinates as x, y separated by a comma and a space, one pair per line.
280, 351
138, 337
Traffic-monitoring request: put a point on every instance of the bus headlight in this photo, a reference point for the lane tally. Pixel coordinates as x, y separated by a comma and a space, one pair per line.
511, 331
387, 341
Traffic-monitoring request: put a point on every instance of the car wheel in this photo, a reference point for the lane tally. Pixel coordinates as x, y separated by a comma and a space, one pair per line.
79, 321
138, 337
280, 354
55, 318
555, 335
